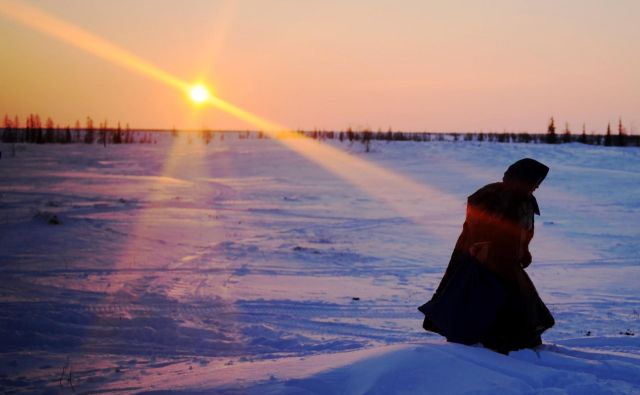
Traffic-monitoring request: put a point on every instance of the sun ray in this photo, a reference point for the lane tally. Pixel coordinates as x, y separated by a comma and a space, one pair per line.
40, 21
375, 180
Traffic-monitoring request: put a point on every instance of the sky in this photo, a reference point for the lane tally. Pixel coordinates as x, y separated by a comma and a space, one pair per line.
406, 65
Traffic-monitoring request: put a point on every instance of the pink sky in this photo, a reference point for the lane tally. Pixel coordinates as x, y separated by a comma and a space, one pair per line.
411, 65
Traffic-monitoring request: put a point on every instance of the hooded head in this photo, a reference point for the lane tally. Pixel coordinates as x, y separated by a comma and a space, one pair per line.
525, 175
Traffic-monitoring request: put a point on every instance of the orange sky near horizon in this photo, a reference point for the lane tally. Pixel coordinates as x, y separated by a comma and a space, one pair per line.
412, 65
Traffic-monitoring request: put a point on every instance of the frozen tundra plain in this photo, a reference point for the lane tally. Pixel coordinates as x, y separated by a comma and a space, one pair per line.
242, 267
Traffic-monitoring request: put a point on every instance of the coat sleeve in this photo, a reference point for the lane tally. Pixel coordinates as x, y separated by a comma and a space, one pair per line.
528, 232
526, 260
495, 238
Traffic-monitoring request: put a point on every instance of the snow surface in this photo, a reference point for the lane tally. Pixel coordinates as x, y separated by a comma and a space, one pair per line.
242, 267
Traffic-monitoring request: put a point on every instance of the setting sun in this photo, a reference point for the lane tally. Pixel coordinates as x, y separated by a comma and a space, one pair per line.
199, 94
321, 197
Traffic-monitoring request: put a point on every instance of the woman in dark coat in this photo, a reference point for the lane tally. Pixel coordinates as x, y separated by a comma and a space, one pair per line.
485, 295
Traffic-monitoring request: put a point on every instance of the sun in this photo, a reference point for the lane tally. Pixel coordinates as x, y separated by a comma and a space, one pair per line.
199, 93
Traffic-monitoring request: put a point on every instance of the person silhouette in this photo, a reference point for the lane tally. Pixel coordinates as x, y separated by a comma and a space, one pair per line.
485, 295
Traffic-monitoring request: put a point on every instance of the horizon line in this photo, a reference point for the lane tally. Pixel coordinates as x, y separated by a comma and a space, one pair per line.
205, 129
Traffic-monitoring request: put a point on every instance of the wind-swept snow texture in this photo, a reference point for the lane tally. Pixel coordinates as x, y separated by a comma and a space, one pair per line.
242, 267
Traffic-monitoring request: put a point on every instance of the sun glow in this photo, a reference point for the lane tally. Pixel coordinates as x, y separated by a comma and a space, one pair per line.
377, 181
199, 94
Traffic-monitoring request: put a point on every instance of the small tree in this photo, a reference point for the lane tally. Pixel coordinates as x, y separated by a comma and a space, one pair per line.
67, 135
117, 136
128, 135
37, 129
583, 136
8, 135
607, 138
622, 135
350, 135
366, 140
77, 128
16, 126
89, 136
551, 132
566, 136
103, 133
49, 136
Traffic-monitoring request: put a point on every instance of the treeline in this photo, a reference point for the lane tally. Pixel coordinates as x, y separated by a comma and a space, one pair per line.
620, 138
34, 131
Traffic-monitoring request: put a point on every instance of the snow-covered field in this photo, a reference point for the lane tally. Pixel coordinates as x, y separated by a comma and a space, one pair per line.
242, 267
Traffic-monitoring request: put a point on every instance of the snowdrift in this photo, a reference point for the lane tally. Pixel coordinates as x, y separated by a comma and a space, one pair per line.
450, 369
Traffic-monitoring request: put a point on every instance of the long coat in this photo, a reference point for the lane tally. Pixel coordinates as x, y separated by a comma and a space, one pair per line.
486, 295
